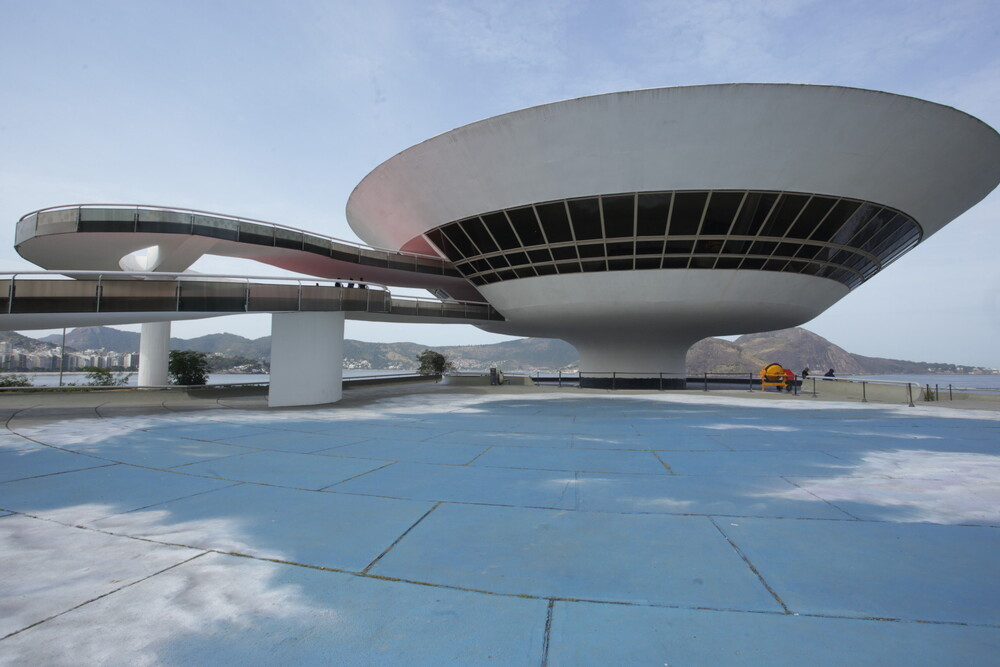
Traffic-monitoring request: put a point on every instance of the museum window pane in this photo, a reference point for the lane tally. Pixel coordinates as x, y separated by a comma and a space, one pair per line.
815, 211
786, 249
752, 263
466, 269
753, 213
525, 272
478, 280
517, 258
460, 241
686, 215
811, 269
481, 265
621, 248
722, 207
526, 225
501, 230
506, 275
652, 213
594, 266
678, 247
837, 218
619, 213
538, 256
859, 220
728, 262
569, 267
497, 262
889, 234
592, 250
788, 207
649, 247
477, 232
586, 217
808, 251
619, 264
675, 262
762, 248
564, 252
775, 264
545, 269
554, 222
647, 262
491, 278
873, 235
735, 247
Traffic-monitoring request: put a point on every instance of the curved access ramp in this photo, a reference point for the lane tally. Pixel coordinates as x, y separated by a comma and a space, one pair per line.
100, 237
43, 300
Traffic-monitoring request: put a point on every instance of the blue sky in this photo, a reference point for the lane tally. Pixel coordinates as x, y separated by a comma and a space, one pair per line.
276, 110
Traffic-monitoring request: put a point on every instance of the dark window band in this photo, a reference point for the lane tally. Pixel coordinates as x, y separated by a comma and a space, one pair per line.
842, 239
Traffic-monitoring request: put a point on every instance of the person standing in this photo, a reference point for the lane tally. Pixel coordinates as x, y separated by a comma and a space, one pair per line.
805, 373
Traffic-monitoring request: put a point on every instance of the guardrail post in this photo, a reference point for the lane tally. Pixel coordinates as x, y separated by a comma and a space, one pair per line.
661, 380
864, 392
560, 378
950, 397
10, 294
100, 288
795, 387
706, 382
614, 381
298, 296
814, 387
909, 394
246, 298
937, 393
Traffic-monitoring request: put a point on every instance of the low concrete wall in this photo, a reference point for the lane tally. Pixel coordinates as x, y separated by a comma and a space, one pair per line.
350, 383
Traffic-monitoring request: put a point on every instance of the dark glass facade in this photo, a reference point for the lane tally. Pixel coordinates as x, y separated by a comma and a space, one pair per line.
846, 240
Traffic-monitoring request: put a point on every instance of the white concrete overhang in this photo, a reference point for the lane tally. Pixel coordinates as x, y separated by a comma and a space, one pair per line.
927, 160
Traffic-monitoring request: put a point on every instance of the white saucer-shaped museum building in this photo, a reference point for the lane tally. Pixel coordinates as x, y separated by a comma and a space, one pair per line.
634, 224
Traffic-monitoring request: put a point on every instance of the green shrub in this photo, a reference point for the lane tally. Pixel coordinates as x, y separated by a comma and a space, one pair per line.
187, 367
102, 377
15, 381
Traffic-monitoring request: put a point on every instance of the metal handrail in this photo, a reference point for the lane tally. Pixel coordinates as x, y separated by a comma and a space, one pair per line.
193, 278
224, 216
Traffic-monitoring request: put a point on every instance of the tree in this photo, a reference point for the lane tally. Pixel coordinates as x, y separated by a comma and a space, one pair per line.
187, 367
433, 363
17, 380
102, 377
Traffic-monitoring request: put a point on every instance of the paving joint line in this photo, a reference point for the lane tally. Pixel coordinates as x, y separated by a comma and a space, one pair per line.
663, 463
324, 488
751, 566
548, 633
104, 595
476, 457
397, 540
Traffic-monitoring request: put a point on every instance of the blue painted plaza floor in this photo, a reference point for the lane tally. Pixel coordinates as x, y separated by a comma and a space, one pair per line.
532, 528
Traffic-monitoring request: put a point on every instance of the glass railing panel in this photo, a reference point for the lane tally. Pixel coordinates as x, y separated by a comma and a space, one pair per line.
356, 299
212, 297
344, 253
138, 296
250, 232
287, 238
57, 222
322, 297
403, 307
26, 228
373, 258
219, 228
163, 222
54, 296
317, 245
426, 265
269, 298
4, 295
107, 220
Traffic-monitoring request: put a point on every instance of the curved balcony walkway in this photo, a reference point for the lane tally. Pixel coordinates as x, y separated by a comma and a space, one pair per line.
96, 237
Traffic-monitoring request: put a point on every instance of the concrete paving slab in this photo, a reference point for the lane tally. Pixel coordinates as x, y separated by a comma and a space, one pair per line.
603, 634
84, 496
578, 555
413, 452
665, 441
605, 534
593, 460
229, 610
299, 471
720, 495
322, 529
10, 442
291, 441
754, 463
49, 568
466, 484
160, 452
25, 463
917, 572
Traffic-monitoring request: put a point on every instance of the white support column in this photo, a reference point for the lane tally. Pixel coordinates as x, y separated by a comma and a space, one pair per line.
307, 358
154, 352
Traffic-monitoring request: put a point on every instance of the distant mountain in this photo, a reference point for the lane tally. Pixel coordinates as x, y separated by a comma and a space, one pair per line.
26, 343
793, 348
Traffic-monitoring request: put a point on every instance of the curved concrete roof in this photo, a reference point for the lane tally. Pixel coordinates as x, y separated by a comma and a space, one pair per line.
925, 159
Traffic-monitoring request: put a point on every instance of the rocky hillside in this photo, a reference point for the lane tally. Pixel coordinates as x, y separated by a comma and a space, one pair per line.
794, 348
